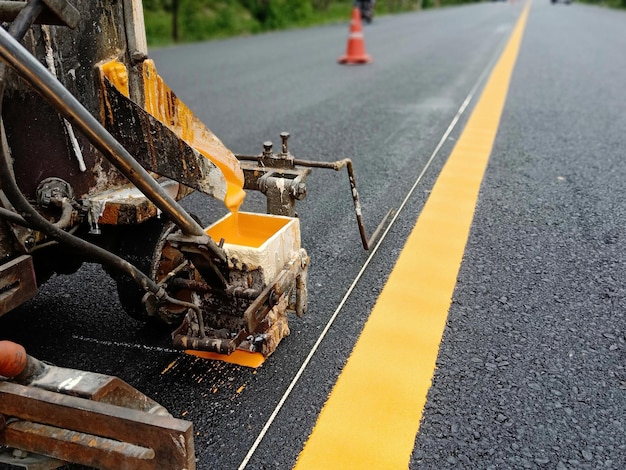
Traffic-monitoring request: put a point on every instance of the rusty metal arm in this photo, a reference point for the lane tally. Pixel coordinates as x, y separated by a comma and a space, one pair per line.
93, 433
337, 166
91, 419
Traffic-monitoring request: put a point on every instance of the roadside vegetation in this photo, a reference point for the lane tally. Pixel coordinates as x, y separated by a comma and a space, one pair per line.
608, 3
169, 21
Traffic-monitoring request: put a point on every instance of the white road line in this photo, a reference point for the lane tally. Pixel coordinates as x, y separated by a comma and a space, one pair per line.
120, 344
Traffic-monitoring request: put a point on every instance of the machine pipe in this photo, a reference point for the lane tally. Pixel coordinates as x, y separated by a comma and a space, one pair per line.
13, 54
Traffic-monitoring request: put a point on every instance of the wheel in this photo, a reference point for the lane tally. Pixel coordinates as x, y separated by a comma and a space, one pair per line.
139, 245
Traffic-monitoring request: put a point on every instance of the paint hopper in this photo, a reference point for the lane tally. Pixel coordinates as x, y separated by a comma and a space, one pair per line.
266, 281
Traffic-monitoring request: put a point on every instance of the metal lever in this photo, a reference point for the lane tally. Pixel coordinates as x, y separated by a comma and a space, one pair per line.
337, 166
284, 162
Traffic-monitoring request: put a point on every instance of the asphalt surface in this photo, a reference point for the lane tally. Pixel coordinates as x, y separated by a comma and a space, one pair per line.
531, 368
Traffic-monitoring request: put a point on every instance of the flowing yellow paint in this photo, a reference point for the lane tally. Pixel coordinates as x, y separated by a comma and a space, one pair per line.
164, 105
373, 413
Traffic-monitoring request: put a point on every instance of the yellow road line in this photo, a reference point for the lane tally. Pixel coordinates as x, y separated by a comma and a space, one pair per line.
372, 415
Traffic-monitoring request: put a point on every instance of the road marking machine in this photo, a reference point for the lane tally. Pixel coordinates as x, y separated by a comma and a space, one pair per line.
96, 152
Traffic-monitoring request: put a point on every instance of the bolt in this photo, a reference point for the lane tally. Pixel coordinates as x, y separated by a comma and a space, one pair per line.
20, 454
284, 137
267, 148
299, 191
29, 242
138, 56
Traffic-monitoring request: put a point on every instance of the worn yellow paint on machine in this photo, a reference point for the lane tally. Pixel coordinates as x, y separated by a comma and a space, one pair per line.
117, 73
373, 413
162, 103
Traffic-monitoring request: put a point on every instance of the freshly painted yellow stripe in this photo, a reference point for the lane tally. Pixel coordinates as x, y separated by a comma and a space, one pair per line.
373, 413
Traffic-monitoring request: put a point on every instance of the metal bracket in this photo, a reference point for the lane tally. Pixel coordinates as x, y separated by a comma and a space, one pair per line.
87, 418
281, 178
93, 433
17, 283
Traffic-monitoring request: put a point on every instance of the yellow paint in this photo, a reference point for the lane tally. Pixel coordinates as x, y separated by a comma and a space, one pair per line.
240, 358
165, 371
163, 104
372, 415
246, 229
117, 74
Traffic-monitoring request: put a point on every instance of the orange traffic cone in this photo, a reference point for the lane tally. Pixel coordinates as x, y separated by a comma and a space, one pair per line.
355, 52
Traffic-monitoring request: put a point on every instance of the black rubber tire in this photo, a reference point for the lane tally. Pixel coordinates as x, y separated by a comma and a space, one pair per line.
137, 245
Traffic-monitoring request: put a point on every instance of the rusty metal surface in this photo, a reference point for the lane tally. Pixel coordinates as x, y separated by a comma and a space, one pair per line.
276, 176
89, 418
56, 12
38, 138
17, 283
127, 205
28, 67
96, 387
42, 143
32, 432
282, 187
239, 321
6, 242
92, 433
64, 11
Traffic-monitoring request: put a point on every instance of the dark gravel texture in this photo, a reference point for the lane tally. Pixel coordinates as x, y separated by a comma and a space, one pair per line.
531, 372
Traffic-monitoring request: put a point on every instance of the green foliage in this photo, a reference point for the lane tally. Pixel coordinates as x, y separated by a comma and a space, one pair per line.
158, 26
275, 14
197, 20
206, 19
609, 3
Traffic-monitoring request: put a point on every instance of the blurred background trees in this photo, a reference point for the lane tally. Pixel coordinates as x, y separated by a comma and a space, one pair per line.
170, 21
195, 20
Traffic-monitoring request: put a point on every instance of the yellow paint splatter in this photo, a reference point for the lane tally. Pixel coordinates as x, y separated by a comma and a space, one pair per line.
172, 364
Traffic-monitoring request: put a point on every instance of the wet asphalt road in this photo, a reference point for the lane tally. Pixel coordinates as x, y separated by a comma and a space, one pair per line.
531, 368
